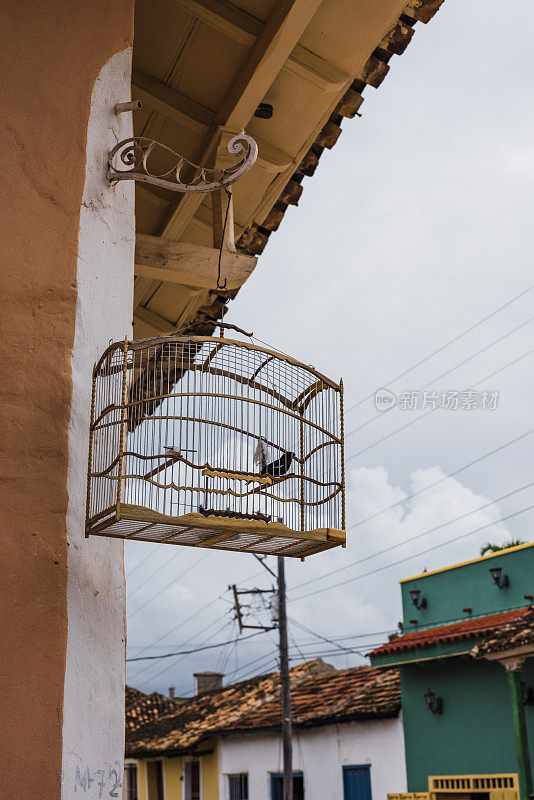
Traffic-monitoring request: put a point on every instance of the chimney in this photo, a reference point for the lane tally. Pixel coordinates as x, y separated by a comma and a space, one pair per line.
208, 682
171, 692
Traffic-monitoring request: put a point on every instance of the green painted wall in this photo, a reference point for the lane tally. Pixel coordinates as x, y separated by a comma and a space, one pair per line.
474, 734
470, 586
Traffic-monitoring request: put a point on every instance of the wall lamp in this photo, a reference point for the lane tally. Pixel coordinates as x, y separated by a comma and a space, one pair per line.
418, 601
502, 581
433, 703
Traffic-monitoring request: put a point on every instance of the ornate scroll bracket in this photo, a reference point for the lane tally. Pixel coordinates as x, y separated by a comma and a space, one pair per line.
129, 161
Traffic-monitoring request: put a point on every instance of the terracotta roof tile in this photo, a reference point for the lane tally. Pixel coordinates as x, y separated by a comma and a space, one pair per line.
516, 633
320, 694
465, 629
133, 695
142, 708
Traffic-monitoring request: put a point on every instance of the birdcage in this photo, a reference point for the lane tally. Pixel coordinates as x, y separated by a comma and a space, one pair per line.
215, 442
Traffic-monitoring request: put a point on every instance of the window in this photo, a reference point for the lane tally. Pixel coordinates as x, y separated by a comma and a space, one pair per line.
130, 782
357, 783
238, 786
277, 786
192, 780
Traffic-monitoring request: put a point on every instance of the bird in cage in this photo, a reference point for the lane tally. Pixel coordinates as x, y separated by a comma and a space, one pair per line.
174, 450
278, 468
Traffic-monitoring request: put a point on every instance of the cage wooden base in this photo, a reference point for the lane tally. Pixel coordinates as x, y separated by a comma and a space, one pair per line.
214, 532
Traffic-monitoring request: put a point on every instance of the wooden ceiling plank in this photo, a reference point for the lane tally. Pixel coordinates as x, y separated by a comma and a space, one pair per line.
146, 193
272, 49
152, 320
316, 70
267, 57
172, 103
243, 27
235, 23
189, 264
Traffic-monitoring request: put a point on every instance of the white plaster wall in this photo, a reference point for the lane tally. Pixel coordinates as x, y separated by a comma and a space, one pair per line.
93, 713
320, 753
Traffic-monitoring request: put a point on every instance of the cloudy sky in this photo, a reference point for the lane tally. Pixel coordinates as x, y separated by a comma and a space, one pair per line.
416, 228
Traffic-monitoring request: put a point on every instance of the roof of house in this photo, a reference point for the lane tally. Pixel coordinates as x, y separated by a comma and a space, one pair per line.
320, 694
310, 61
430, 637
514, 634
142, 708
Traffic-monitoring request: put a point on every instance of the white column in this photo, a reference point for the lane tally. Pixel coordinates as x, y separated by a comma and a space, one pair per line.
93, 714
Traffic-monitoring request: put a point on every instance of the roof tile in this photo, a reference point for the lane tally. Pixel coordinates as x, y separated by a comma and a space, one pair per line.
514, 634
319, 694
441, 634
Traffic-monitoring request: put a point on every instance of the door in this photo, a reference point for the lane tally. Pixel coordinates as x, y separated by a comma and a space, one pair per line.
155, 780
192, 780
357, 783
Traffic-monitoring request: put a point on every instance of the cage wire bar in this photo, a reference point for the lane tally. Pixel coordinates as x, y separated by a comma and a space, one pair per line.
218, 443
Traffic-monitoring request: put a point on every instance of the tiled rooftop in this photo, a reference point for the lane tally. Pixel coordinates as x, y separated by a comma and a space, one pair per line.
457, 631
514, 634
320, 694
142, 708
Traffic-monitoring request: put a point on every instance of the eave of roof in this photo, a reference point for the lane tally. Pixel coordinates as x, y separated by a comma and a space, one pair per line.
512, 636
444, 634
270, 211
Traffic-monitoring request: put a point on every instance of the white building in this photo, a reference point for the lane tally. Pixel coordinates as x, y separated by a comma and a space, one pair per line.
348, 741
325, 758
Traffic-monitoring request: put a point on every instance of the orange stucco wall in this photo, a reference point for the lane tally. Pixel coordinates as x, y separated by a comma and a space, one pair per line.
50, 53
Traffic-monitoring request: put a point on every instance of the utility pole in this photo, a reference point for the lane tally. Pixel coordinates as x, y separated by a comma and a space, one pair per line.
287, 747
281, 618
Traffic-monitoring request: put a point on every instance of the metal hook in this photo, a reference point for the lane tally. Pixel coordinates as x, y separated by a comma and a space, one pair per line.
222, 286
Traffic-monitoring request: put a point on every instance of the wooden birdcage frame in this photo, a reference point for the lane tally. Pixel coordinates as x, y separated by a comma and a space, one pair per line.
175, 424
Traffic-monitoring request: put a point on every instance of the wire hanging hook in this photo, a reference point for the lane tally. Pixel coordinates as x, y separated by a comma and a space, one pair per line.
222, 286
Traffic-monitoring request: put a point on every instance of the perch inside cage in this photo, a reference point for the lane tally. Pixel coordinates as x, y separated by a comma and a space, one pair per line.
213, 442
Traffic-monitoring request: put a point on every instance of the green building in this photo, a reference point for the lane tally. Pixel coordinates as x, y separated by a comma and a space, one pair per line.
466, 660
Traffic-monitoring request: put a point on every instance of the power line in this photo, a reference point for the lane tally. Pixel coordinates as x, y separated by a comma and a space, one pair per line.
192, 638
181, 658
444, 346
159, 569
195, 650
380, 415
432, 410
415, 555
322, 638
445, 477
183, 623
417, 536
141, 563
160, 591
